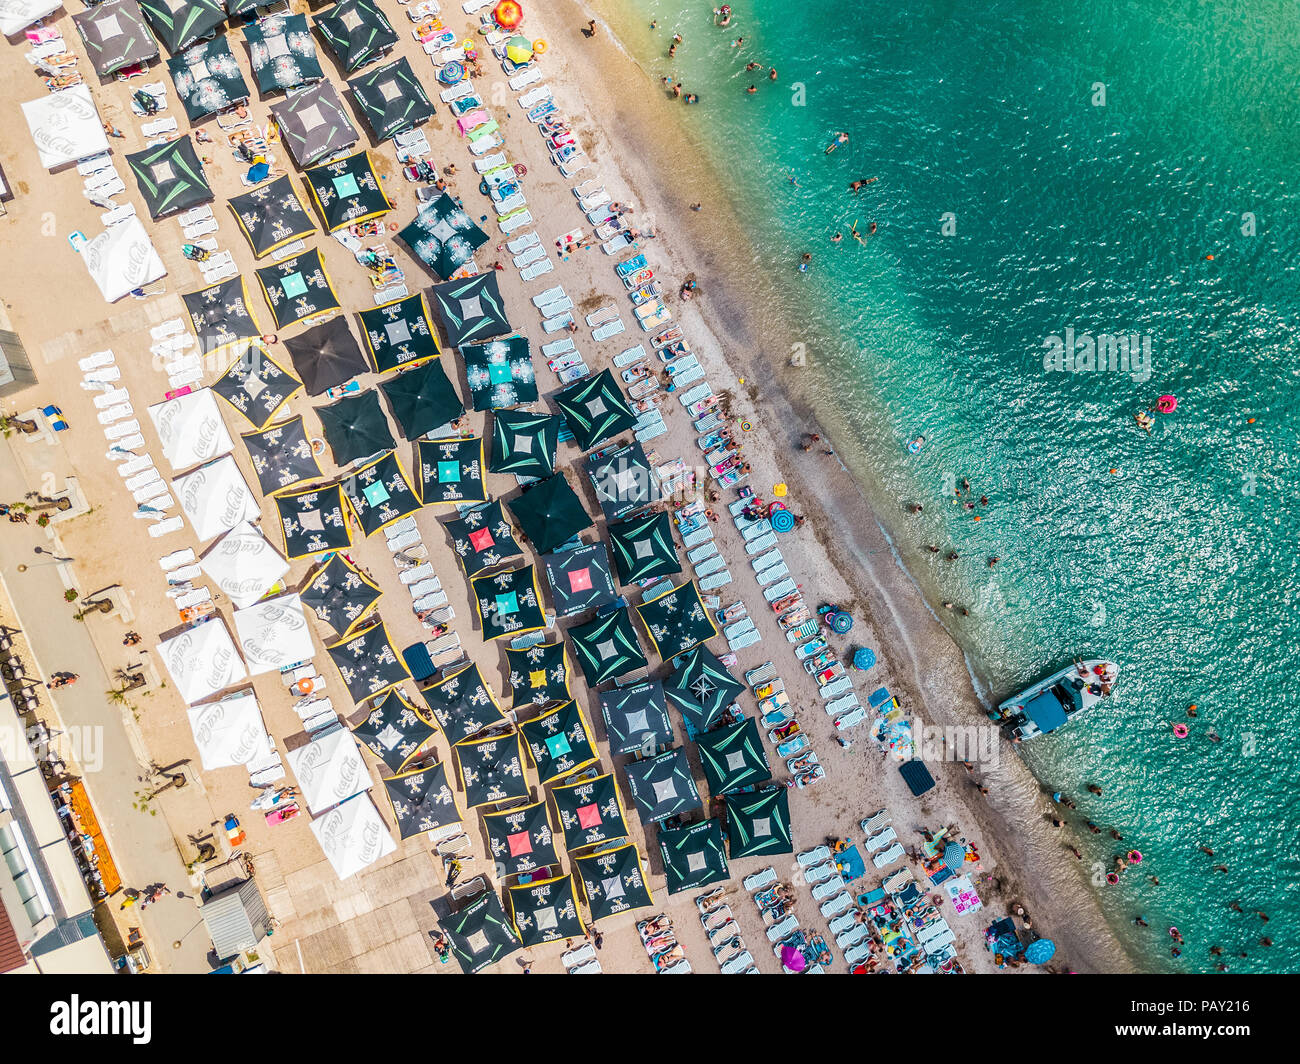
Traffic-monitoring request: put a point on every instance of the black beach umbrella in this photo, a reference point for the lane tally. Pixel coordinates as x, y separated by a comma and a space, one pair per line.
443, 236
313, 123
481, 934
282, 52
355, 427
549, 513
500, 373
643, 547
636, 718
380, 493
471, 309
207, 78
394, 731
702, 688
368, 662
524, 443
733, 757
662, 786
313, 521
693, 856
559, 742
347, 191
115, 35
758, 823
399, 333
509, 602
422, 398
623, 480
520, 839
492, 770
422, 800
538, 674
357, 32
391, 98
272, 215
614, 881
281, 455
340, 594
178, 25
170, 177
221, 315
451, 470
590, 812
546, 910
482, 538
677, 621
299, 289
256, 385
606, 647
595, 410
326, 356
462, 705
580, 579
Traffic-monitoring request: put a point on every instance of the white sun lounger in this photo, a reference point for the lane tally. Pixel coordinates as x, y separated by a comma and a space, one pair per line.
534, 96
761, 543
424, 587
111, 398
840, 705
776, 572
854, 716
780, 590
738, 964
745, 639
767, 560
778, 931
700, 535
416, 574
170, 561
824, 890
630, 357
171, 327
889, 856
710, 565
160, 502
527, 258
558, 347
700, 553
485, 143
521, 81
558, 306
430, 601
199, 229
522, 243
563, 321
575, 958
717, 580
537, 269
738, 628
836, 905
841, 686
103, 376
817, 873
935, 931
116, 413
653, 432
130, 443
814, 857
161, 528
606, 331
405, 540
491, 162
143, 479
158, 127
509, 204
881, 839
149, 491
98, 360
759, 880
574, 166
135, 465
515, 221
851, 936
549, 296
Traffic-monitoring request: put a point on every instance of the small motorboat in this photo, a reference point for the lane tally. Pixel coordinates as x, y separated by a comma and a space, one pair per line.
1052, 702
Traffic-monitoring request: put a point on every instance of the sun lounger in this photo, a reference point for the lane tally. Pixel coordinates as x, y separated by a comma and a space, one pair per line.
700, 553
416, 574
426, 586
537, 269
534, 96
116, 413
151, 490
766, 560
534, 254
602, 316
522, 243
928, 934
817, 873
651, 432
509, 205
162, 528
430, 601
738, 964
809, 858
843, 923
824, 890
485, 142
858, 953
836, 905
698, 536
711, 565
158, 127
738, 629
199, 229
515, 221
851, 936
853, 717
717, 580
559, 306
630, 357
98, 360
491, 162
607, 331
557, 323
881, 839
745, 639
558, 347
145, 478
103, 376
111, 398
759, 880
127, 444
117, 214
841, 705
889, 856
775, 592
135, 465
778, 931
549, 296
522, 81
572, 166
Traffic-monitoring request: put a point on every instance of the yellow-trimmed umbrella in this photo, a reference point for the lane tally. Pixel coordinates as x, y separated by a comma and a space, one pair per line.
508, 14
519, 49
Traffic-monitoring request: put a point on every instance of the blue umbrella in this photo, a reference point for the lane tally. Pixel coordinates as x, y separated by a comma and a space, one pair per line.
840, 622
864, 658
451, 73
782, 521
1040, 951
954, 856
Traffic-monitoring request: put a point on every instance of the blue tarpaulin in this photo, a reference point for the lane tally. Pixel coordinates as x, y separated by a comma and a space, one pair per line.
1045, 711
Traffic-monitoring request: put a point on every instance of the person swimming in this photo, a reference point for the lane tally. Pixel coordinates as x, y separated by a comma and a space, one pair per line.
840, 138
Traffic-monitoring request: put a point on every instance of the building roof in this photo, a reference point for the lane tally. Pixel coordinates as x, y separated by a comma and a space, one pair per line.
11, 950
236, 919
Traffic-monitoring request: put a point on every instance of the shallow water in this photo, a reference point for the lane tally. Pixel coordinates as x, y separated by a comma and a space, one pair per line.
1018, 198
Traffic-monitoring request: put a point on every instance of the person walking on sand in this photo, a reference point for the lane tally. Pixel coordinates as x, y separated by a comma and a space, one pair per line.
591, 28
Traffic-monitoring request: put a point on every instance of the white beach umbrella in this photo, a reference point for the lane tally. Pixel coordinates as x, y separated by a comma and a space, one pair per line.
65, 126
329, 770
17, 15
230, 731
121, 259
215, 498
353, 836
202, 660
244, 565
273, 634
191, 429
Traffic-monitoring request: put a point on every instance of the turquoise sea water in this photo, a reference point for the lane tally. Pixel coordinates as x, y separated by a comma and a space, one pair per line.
1067, 214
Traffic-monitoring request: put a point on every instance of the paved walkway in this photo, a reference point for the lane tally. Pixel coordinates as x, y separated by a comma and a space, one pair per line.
142, 844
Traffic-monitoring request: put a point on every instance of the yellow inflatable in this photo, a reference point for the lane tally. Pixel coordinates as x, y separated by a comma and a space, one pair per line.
540, 46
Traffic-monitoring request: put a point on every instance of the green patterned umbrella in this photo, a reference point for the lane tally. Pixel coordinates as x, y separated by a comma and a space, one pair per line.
538, 674
693, 856
636, 718
480, 934
549, 513
606, 647
380, 493
524, 444
179, 23
733, 757
472, 309
643, 547
623, 480
462, 704
677, 620
170, 177
590, 812
357, 32
451, 470
702, 688
595, 410
614, 881
399, 333
207, 78
580, 579
509, 602
559, 741
758, 823
313, 123
662, 786
482, 538
347, 191
115, 35
391, 98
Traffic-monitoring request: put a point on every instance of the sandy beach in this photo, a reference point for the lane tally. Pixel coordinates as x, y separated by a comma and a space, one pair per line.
380, 920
